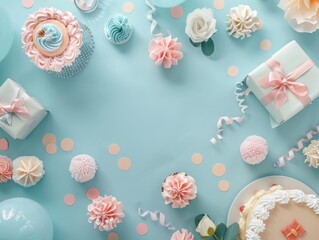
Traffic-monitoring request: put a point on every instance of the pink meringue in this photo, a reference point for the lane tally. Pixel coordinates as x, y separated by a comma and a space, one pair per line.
165, 51
5, 169
178, 189
106, 212
182, 235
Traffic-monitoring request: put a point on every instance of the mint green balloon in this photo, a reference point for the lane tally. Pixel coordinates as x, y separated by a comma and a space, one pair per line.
6, 34
22, 218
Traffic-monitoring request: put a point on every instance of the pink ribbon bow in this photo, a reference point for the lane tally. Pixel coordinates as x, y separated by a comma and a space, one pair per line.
281, 84
16, 106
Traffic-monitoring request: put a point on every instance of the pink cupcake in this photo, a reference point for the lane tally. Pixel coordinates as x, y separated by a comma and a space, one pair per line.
179, 189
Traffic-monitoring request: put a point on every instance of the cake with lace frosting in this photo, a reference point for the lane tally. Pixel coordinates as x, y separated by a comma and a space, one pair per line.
280, 214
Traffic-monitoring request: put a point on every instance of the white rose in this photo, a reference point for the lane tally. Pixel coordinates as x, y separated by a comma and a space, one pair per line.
200, 25
302, 15
204, 225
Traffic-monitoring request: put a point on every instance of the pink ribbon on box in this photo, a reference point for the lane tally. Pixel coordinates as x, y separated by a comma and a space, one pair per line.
16, 106
281, 83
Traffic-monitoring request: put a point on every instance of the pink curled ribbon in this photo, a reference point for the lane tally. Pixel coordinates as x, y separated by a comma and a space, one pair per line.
156, 216
300, 146
240, 94
16, 106
280, 84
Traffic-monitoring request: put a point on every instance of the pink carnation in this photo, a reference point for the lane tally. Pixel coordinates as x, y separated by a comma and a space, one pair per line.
254, 149
182, 235
106, 212
178, 189
165, 51
5, 169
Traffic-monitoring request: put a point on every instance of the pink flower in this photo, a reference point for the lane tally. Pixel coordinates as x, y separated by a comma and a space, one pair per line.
182, 235
165, 51
5, 169
178, 189
254, 150
106, 212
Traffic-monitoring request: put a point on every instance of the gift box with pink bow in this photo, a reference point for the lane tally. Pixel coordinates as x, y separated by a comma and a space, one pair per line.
286, 83
19, 113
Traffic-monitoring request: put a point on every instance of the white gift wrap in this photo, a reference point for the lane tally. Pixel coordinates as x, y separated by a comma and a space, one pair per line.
21, 126
290, 57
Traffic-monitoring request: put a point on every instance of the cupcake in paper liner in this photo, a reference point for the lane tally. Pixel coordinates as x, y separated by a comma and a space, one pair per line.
179, 189
57, 42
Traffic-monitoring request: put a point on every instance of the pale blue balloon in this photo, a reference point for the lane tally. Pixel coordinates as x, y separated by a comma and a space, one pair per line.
167, 3
6, 34
22, 218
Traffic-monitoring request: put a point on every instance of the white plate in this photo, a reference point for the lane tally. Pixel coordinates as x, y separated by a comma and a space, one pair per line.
262, 183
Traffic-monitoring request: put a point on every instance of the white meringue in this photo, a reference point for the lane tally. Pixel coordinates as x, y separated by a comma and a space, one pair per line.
312, 154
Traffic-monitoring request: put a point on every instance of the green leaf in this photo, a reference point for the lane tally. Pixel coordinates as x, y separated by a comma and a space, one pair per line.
220, 231
198, 218
208, 47
232, 232
194, 44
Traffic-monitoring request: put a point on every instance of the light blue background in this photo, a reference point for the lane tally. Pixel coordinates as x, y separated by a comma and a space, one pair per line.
158, 117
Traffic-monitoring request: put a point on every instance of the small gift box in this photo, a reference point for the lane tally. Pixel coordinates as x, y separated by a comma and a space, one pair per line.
286, 83
19, 113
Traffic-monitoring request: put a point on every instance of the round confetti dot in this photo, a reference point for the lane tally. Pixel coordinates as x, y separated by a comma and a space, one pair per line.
113, 236
197, 158
124, 164
28, 3
69, 199
265, 44
261, 24
223, 186
67, 144
177, 12
51, 148
128, 7
4, 145
232, 71
219, 169
92, 193
219, 4
48, 138
114, 149
142, 229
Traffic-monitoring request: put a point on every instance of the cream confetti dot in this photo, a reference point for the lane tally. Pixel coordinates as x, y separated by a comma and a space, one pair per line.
177, 12
219, 4
69, 199
51, 148
28, 3
114, 149
261, 24
67, 144
223, 186
124, 164
219, 169
142, 229
197, 158
48, 138
232, 71
128, 7
113, 236
265, 45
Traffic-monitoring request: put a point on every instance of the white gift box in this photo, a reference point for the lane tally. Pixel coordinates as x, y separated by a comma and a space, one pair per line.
18, 124
285, 65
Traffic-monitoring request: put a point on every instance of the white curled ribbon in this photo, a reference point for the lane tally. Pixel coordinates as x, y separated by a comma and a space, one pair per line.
300, 146
156, 216
240, 94
150, 17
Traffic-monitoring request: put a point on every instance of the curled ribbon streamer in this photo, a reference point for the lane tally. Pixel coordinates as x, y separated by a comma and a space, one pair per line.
300, 146
149, 17
156, 216
240, 94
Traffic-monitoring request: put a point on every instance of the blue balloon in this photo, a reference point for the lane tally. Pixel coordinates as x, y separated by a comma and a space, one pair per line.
167, 3
22, 218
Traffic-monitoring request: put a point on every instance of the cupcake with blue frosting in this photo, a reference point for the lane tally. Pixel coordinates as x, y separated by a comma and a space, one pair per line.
118, 30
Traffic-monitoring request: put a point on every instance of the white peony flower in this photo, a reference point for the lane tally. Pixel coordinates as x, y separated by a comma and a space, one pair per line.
302, 15
312, 154
242, 21
200, 25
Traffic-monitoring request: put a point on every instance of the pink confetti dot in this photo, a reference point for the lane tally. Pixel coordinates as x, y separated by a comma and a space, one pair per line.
124, 164
197, 158
4, 145
69, 199
48, 138
265, 45
51, 148
113, 236
219, 169
261, 24
114, 149
92, 193
67, 144
232, 71
142, 229
219, 4
223, 186
28, 3
177, 12
128, 7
